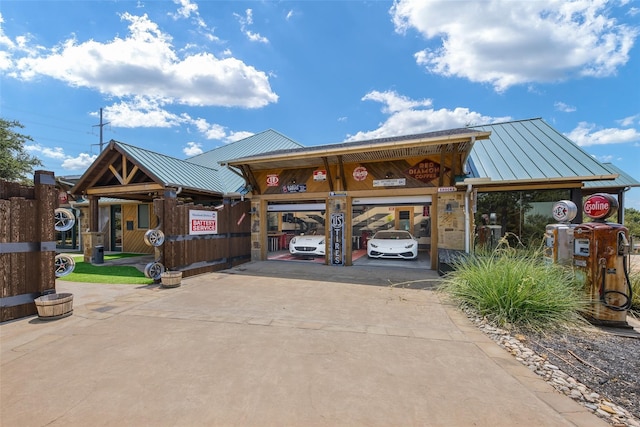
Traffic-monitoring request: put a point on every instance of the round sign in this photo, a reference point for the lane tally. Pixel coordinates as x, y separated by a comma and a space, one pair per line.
360, 173
272, 180
600, 206
564, 211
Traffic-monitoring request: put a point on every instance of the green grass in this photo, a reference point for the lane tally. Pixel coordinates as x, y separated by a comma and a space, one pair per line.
515, 288
111, 274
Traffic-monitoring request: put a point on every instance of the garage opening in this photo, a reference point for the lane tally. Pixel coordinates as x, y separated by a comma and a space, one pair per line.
392, 231
296, 232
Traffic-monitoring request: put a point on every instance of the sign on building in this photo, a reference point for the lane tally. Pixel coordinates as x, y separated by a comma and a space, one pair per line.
337, 243
203, 222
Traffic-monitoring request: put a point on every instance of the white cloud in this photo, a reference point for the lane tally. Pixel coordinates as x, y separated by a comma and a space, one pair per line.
629, 121
82, 162
141, 112
192, 149
408, 117
145, 63
247, 20
210, 131
52, 153
586, 134
561, 106
508, 43
237, 136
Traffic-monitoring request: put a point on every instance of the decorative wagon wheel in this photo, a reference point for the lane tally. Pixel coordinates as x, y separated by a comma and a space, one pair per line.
65, 219
154, 237
154, 270
64, 265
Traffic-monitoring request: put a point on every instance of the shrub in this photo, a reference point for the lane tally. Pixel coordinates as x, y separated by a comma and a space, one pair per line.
515, 287
634, 278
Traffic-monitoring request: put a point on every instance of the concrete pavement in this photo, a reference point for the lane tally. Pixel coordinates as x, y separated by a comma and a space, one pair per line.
269, 344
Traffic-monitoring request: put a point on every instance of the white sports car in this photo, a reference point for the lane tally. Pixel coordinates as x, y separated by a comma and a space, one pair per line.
307, 245
393, 244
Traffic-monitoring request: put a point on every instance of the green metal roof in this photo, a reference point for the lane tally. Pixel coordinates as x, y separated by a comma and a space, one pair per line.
259, 143
623, 180
170, 171
531, 150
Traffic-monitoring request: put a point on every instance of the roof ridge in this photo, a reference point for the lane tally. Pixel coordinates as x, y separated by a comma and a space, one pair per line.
507, 122
120, 143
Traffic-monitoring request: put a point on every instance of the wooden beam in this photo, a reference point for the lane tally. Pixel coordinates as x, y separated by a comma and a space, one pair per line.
341, 174
325, 161
441, 177
129, 176
116, 174
124, 189
251, 178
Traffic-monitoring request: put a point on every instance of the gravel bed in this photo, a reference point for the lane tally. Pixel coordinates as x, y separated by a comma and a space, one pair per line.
597, 368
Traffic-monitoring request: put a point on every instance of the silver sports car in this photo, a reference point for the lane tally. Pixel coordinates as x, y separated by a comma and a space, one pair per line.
307, 245
393, 244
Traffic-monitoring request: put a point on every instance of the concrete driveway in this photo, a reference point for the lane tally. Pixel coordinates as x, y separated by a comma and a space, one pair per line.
269, 344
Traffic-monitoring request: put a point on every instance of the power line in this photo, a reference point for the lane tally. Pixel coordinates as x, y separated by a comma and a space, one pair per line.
101, 125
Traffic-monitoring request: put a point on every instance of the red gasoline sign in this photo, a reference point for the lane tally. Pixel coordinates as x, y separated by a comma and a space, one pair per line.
600, 206
360, 173
272, 180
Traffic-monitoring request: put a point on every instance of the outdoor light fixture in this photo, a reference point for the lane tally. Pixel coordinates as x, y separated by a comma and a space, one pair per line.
389, 175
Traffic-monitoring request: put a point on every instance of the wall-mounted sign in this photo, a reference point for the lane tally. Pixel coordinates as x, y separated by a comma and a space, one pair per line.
447, 189
272, 180
63, 197
424, 171
393, 182
337, 243
360, 173
203, 222
320, 175
294, 188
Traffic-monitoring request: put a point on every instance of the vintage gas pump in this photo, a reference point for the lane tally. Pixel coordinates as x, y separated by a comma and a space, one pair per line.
559, 237
600, 261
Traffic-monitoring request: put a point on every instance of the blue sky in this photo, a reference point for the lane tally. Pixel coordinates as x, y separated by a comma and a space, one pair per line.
182, 77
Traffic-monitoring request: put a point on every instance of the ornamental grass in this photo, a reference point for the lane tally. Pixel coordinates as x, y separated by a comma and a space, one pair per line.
515, 287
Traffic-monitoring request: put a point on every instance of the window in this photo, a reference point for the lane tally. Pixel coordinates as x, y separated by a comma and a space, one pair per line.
143, 216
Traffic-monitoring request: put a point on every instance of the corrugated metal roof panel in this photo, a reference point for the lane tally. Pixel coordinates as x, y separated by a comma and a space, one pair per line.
623, 179
174, 172
528, 150
259, 143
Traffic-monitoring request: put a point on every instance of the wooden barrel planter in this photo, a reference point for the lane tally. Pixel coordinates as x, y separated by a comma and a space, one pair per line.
171, 279
54, 306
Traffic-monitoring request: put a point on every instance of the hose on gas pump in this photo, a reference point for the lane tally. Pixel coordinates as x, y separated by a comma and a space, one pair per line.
604, 292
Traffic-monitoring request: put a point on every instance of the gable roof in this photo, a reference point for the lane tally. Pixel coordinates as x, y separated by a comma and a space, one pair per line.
531, 150
390, 148
125, 171
263, 142
171, 171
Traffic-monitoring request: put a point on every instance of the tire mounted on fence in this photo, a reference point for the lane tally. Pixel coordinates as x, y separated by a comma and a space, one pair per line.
65, 219
154, 237
64, 265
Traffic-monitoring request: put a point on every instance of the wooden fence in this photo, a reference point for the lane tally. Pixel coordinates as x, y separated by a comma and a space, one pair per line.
194, 254
27, 244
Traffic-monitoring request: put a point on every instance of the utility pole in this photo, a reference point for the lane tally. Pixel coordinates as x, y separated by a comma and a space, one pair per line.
101, 125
